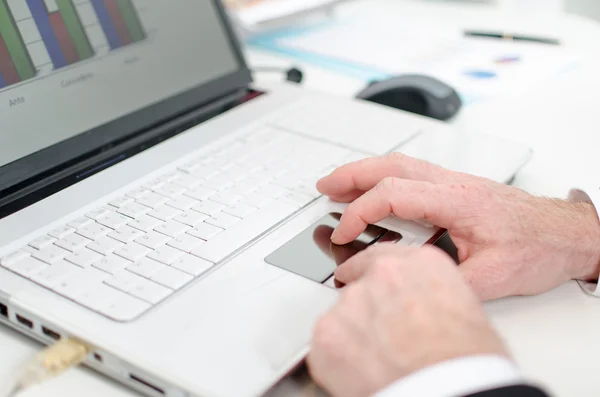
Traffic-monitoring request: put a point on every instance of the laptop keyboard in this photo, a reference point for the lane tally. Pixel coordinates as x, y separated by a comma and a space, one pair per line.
128, 255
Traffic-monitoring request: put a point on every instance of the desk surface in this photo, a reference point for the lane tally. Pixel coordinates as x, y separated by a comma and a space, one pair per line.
553, 336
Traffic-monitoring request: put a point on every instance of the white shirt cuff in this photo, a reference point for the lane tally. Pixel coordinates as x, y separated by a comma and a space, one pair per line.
591, 196
457, 378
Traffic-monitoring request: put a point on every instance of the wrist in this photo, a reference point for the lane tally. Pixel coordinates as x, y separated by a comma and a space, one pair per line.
587, 242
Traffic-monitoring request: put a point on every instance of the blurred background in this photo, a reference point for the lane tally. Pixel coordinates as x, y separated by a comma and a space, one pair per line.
589, 8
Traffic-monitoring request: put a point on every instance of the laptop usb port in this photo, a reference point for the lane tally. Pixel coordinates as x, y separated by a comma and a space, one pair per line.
48, 332
24, 321
143, 382
3, 310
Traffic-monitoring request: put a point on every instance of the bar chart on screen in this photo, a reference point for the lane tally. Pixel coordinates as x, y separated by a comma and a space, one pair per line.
38, 37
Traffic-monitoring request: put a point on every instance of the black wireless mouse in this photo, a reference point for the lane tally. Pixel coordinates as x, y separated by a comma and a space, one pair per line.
414, 93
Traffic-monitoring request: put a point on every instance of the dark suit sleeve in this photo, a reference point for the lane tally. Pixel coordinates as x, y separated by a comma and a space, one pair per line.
512, 391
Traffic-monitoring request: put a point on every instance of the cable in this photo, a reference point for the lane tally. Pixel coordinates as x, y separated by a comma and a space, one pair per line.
293, 75
49, 363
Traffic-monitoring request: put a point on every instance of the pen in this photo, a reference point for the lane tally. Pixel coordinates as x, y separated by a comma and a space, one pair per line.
506, 36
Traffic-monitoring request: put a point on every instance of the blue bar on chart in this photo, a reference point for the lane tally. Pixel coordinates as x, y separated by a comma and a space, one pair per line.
2, 82
39, 11
107, 24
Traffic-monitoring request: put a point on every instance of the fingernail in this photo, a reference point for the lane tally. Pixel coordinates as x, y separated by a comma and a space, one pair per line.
335, 235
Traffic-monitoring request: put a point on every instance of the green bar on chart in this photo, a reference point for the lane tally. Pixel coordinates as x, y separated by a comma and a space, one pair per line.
132, 20
75, 28
14, 42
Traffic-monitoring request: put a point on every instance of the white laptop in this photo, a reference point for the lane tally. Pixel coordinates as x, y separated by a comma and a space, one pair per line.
158, 205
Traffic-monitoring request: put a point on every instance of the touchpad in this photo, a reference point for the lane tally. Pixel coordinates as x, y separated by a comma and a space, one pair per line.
311, 254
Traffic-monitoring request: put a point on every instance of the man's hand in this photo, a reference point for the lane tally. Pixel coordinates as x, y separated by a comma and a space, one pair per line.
409, 310
509, 242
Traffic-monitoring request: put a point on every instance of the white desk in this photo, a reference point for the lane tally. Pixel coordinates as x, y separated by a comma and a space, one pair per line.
554, 337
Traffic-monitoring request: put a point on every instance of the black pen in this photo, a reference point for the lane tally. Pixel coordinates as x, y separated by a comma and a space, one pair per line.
506, 36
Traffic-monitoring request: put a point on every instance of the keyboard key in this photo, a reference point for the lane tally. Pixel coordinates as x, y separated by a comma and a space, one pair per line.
133, 251
189, 167
97, 213
99, 297
61, 232
73, 242
150, 292
191, 218
105, 245
209, 207
42, 242
152, 200
145, 223
126, 234
172, 228
54, 274
153, 240
257, 200
29, 249
170, 177
154, 184
243, 187
205, 231
112, 264
187, 181
164, 213
80, 222
170, 190
226, 199
182, 203
240, 210
94, 231
79, 282
222, 220
165, 254
51, 254
288, 181
221, 246
309, 190
172, 278
298, 199
217, 183
202, 172
145, 267
134, 210
28, 267
192, 265
272, 191
126, 308
200, 193
138, 193
124, 281
84, 258
14, 257
185, 242
113, 220
121, 201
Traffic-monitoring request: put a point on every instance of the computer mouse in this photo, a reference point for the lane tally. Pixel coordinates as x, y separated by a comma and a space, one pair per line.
415, 93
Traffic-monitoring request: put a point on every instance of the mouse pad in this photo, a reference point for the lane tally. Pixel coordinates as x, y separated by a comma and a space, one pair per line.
311, 253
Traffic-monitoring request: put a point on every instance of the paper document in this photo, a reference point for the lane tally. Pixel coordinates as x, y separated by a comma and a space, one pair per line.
477, 67
253, 12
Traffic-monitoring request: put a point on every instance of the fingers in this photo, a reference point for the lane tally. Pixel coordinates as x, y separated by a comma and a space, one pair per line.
347, 182
357, 266
408, 200
339, 341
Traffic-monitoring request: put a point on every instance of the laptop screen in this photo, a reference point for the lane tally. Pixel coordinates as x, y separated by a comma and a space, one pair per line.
98, 70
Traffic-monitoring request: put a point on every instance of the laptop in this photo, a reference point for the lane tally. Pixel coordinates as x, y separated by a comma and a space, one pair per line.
160, 206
